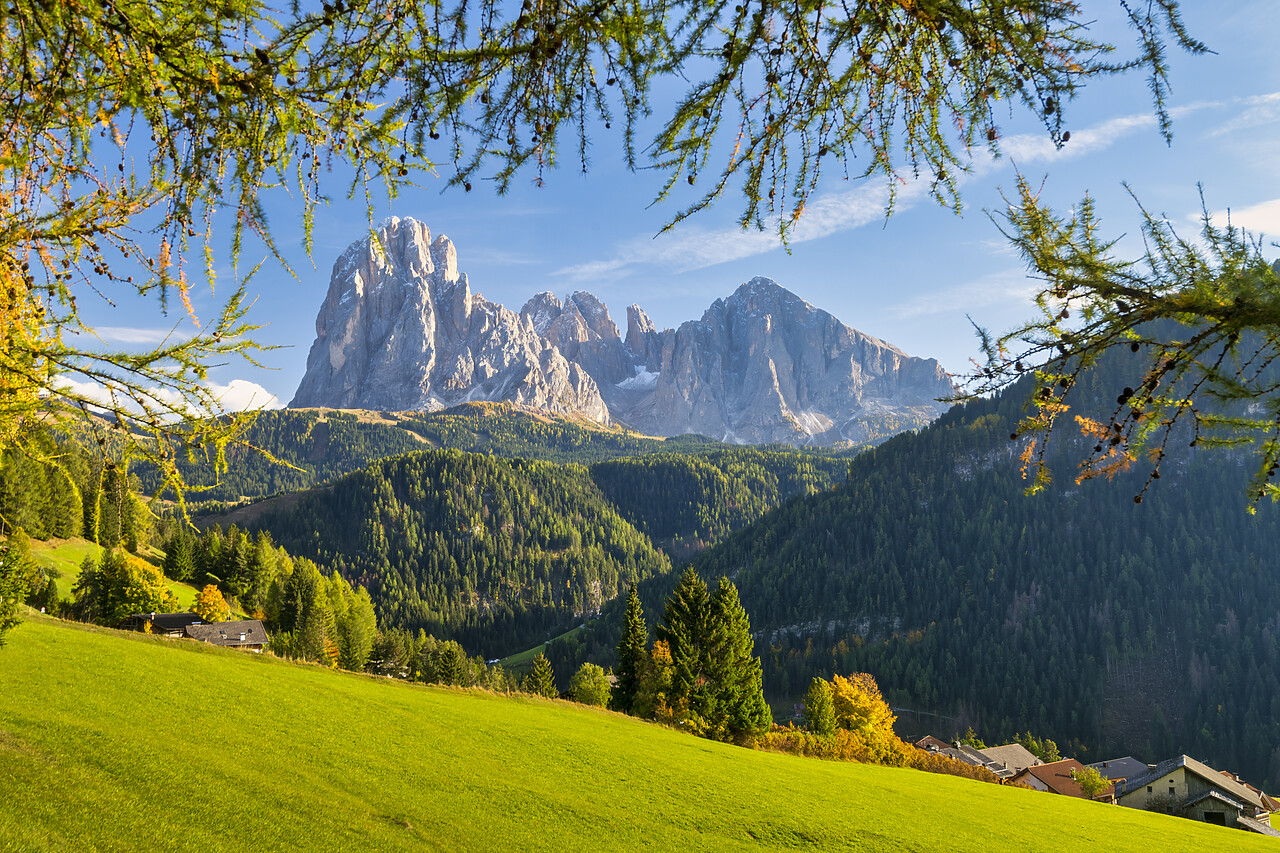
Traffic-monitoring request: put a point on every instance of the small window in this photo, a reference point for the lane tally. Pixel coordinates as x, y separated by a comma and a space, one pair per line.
1148, 789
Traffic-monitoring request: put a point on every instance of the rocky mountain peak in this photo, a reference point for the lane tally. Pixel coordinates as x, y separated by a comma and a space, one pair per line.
400, 329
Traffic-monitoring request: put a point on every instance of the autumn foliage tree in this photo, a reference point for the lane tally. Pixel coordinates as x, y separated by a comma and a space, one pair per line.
210, 606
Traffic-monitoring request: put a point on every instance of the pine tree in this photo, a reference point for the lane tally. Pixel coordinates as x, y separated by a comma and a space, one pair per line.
632, 655
179, 563
542, 680
716, 684
684, 629
732, 667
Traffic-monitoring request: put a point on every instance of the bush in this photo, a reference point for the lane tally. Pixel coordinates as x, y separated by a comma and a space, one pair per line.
590, 686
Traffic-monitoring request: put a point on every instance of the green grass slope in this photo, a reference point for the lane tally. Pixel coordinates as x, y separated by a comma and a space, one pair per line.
123, 742
66, 555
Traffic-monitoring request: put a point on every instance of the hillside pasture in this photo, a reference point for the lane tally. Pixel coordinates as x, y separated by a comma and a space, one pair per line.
112, 741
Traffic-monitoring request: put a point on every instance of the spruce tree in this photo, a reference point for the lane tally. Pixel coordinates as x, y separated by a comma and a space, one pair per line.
716, 684
542, 680
632, 655
733, 669
684, 629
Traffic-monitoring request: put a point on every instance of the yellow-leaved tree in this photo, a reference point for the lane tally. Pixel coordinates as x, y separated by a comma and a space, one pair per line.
210, 605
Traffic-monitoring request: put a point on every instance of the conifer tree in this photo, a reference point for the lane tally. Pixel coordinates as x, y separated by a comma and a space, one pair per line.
179, 563
632, 655
684, 629
541, 681
818, 708
716, 681
733, 668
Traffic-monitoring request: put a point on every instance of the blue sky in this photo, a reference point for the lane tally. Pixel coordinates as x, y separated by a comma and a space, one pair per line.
910, 280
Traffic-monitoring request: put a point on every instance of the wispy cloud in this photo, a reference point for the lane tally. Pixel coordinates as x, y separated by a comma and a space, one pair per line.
1260, 110
996, 289
693, 248
1262, 219
134, 335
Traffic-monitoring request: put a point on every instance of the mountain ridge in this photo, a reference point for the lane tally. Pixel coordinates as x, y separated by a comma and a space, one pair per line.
400, 330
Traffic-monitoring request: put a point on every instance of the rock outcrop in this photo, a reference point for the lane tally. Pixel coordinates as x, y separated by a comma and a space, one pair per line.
400, 330
765, 366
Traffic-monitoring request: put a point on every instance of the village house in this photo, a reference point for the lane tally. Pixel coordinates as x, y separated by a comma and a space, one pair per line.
1012, 757
1193, 789
248, 635
1115, 769
1058, 777
1004, 761
161, 624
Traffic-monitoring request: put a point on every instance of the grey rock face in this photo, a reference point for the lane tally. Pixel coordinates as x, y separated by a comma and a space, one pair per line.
765, 366
400, 329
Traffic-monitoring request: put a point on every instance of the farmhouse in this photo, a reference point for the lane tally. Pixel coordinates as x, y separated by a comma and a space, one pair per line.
1193, 789
161, 624
248, 635
1058, 777
1115, 769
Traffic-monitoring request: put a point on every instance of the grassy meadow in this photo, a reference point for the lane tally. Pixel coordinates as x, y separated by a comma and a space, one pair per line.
111, 741
66, 555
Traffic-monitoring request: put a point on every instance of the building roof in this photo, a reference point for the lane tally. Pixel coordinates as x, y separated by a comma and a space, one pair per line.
1057, 777
247, 633
1221, 781
1258, 826
1267, 801
1121, 768
162, 622
1211, 794
931, 742
1013, 756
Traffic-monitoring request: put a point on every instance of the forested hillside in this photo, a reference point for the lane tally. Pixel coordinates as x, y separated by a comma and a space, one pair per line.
1149, 628
1111, 626
492, 552
501, 553
311, 446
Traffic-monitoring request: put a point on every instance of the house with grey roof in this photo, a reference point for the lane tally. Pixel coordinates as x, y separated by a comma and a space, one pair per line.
1114, 769
1192, 789
248, 635
160, 624
1012, 757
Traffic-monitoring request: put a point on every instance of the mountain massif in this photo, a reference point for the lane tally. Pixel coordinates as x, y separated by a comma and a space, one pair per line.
401, 330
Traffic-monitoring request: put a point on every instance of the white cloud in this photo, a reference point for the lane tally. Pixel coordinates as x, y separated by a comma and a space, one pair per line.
241, 395
238, 395
1032, 148
1260, 219
1260, 110
694, 248
132, 335
91, 391
999, 288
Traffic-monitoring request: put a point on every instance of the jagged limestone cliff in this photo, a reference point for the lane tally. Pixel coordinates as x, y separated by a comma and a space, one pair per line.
400, 329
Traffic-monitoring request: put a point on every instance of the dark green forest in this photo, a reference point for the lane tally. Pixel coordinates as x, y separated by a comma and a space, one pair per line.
502, 553
288, 450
